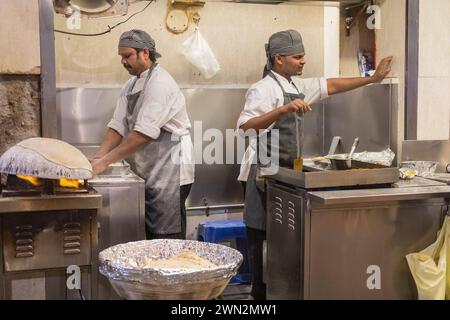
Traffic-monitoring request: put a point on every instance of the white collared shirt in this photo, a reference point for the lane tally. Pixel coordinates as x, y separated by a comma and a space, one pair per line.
164, 106
266, 95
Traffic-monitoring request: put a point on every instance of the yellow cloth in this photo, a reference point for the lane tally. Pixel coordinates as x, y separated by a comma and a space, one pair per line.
430, 268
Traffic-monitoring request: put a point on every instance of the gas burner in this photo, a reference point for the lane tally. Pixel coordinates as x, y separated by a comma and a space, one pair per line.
18, 187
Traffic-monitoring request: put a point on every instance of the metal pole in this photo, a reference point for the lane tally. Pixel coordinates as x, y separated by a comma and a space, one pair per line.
412, 68
217, 207
48, 76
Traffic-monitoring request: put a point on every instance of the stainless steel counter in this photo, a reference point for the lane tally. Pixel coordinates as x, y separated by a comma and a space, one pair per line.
326, 244
418, 182
441, 177
122, 215
379, 195
46, 203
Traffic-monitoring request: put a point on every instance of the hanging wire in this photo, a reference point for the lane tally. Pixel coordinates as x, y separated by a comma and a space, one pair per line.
81, 294
106, 31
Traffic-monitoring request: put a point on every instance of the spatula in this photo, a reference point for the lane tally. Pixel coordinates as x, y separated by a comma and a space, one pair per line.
298, 162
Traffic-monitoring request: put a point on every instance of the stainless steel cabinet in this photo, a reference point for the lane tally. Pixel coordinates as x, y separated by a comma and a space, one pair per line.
348, 244
285, 243
122, 216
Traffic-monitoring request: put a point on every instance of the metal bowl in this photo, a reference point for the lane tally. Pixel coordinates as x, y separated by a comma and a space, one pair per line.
340, 161
120, 265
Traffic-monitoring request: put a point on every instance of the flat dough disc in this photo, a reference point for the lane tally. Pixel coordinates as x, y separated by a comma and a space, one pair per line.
46, 158
58, 151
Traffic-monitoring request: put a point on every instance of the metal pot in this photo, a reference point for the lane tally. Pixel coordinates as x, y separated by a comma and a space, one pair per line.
340, 161
343, 161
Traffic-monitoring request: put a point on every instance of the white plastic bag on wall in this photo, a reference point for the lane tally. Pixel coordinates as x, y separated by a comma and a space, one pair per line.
197, 51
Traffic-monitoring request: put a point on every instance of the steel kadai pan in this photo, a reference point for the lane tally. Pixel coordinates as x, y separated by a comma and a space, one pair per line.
343, 161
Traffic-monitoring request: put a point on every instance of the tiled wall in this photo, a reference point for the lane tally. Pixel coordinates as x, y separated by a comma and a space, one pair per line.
434, 70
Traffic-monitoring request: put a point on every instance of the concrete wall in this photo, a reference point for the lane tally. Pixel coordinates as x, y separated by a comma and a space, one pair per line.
236, 32
434, 70
19, 71
19, 109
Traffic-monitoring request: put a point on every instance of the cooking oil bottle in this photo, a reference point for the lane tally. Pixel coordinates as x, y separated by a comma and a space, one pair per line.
298, 164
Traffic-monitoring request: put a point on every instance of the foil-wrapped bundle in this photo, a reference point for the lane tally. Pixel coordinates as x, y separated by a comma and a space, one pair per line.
383, 158
152, 269
424, 168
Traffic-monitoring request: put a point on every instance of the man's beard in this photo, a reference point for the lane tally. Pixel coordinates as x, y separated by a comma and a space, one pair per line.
130, 71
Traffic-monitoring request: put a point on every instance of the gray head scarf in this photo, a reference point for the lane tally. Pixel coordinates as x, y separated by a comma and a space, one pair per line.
285, 43
138, 39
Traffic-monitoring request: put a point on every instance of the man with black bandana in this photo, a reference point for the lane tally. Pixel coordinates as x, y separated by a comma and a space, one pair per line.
274, 103
150, 127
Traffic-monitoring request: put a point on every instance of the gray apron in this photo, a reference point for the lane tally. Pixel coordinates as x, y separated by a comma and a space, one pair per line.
255, 193
153, 163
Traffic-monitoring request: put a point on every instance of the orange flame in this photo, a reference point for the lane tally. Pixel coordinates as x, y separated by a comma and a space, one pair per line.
69, 183
33, 180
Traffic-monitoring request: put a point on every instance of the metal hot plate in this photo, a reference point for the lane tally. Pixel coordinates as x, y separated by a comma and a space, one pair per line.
336, 178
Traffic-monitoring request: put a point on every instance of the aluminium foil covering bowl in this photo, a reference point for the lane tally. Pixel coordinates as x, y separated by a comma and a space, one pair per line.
424, 168
120, 264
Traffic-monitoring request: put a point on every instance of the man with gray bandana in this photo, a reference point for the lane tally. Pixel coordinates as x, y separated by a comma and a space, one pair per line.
150, 127
274, 103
